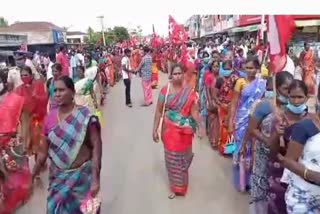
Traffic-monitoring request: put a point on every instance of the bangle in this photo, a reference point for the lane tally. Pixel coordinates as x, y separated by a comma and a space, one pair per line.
305, 174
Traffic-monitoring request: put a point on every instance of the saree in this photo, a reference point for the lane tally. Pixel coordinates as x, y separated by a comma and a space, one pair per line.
35, 106
67, 187
249, 94
177, 134
225, 96
259, 179
302, 196
212, 118
154, 75
203, 97
135, 59
110, 70
15, 175
307, 59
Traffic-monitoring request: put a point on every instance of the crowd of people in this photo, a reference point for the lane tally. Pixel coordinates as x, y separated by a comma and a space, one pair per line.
263, 120
51, 106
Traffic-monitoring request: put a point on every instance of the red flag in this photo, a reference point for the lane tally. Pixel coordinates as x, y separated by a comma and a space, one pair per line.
280, 29
177, 34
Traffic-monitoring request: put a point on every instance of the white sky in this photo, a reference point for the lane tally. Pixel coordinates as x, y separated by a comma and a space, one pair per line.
80, 14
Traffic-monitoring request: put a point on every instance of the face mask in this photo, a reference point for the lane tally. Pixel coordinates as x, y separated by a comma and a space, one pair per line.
243, 74
269, 94
224, 73
283, 99
26, 79
297, 109
206, 60
1, 87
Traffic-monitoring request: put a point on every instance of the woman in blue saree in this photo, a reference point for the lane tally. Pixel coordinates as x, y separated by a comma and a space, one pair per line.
246, 91
73, 144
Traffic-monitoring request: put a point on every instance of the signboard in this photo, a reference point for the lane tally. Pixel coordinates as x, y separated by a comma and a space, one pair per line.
244, 20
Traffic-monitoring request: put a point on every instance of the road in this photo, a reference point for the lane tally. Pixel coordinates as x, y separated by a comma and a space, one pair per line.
134, 179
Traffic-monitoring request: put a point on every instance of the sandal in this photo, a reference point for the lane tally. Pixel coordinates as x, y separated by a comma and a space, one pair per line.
172, 196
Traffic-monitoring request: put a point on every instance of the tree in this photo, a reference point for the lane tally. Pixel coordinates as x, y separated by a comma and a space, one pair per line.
121, 33
3, 22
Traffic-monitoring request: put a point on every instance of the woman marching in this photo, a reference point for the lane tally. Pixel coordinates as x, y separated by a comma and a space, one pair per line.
178, 108
247, 90
73, 143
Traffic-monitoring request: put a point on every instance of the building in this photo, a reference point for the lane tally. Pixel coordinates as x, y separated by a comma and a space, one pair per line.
41, 36
192, 27
76, 39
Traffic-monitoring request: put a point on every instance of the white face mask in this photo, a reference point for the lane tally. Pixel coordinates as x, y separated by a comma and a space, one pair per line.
1, 87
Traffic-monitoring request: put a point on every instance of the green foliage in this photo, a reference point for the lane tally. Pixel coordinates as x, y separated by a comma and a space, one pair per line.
112, 36
3, 22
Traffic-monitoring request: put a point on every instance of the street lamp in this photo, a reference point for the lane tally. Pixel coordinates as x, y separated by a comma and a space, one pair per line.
102, 29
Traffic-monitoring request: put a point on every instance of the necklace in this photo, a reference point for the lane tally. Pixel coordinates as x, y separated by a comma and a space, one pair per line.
58, 113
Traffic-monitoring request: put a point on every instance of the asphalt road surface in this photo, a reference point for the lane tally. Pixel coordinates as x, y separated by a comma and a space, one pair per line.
134, 179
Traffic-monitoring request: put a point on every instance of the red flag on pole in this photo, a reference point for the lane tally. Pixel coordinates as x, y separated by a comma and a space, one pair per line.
280, 29
177, 34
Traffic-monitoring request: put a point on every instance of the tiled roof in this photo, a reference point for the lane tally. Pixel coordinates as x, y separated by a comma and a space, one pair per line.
31, 26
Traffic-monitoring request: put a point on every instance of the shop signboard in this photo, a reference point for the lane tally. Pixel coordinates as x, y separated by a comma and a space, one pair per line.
244, 20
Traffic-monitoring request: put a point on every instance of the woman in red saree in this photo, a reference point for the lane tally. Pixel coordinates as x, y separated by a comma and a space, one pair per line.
224, 99
180, 119
110, 67
308, 66
213, 120
35, 108
15, 175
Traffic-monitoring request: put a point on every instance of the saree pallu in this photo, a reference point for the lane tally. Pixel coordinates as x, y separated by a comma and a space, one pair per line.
249, 94
203, 97
177, 134
67, 187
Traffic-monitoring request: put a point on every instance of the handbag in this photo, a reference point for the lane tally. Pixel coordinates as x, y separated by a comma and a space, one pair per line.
164, 108
230, 147
90, 205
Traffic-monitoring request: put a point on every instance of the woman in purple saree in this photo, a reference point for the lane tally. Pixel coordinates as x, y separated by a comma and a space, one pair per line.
73, 144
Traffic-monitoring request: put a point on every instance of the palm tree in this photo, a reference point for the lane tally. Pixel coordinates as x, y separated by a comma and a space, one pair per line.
3, 22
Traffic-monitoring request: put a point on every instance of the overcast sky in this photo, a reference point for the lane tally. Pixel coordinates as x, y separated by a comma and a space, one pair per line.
79, 15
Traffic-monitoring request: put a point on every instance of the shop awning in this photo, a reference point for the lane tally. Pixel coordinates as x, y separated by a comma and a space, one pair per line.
249, 28
306, 23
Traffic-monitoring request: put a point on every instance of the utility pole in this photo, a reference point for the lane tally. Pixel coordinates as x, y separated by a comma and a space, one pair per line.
102, 29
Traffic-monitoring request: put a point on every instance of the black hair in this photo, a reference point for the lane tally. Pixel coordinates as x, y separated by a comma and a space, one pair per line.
281, 77
126, 51
212, 63
205, 53
146, 49
68, 82
240, 50
26, 68
298, 84
4, 76
254, 60
269, 81
215, 52
227, 62
61, 48
56, 66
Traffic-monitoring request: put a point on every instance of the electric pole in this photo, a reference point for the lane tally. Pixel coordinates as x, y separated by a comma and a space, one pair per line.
102, 29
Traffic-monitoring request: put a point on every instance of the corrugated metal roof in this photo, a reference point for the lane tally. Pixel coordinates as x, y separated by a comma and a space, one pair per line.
31, 26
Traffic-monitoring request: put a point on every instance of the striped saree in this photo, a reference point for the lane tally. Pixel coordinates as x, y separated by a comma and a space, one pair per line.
177, 134
67, 187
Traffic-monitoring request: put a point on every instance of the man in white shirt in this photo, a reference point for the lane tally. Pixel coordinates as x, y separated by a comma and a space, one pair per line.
126, 75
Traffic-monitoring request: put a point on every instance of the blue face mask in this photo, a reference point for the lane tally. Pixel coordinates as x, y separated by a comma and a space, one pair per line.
224, 73
242, 74
297, 109
269, 94
206, 59
283, 99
